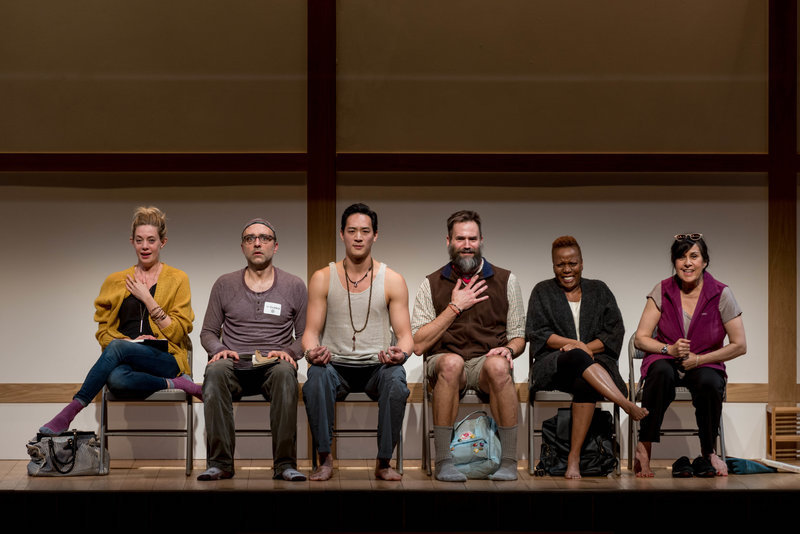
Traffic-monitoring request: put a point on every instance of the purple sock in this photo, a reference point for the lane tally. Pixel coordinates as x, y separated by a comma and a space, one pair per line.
184, 383
60, 422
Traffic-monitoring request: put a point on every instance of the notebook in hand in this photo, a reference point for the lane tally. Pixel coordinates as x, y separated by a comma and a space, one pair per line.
160, 344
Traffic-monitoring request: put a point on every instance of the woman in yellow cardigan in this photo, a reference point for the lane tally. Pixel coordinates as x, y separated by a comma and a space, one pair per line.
148, 301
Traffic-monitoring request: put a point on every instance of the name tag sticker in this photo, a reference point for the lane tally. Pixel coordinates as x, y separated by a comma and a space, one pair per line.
272, 308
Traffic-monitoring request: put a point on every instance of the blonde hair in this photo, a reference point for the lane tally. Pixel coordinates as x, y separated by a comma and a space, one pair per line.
150, 216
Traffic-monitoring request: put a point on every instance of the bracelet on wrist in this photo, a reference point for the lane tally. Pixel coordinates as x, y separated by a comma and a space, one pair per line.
455, 308
157, 314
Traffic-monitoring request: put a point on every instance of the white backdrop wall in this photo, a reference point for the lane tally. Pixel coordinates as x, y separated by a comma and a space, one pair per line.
61, 243
625, 234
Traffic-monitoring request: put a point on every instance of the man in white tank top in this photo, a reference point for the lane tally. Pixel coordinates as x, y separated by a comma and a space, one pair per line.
352, 304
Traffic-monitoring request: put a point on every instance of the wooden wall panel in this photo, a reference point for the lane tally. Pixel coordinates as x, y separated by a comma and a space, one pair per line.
782, 176
62, 393
321, 181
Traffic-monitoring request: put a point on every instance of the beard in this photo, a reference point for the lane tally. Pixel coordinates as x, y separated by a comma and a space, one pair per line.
466, 264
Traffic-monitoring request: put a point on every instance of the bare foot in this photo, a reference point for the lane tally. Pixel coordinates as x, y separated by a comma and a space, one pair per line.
573, 467
385, 472
641, 464
636, 412
325, 469
719, 465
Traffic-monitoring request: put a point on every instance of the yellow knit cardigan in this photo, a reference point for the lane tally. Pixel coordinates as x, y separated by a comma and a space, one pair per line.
172, 294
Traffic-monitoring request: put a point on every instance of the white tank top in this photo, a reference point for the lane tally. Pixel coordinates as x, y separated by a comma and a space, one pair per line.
337, 334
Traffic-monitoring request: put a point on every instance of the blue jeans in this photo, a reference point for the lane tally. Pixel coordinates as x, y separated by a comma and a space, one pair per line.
328, 383
131, 368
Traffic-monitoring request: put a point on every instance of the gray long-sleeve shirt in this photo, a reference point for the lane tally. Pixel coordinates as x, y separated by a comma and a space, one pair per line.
242, 320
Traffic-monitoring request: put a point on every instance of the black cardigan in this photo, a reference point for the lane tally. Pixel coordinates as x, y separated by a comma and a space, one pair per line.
549, 313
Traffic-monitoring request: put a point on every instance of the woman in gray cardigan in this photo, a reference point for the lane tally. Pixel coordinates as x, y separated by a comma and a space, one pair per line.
584, 365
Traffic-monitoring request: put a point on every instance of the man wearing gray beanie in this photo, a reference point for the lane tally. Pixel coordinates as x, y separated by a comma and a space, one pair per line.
252, 329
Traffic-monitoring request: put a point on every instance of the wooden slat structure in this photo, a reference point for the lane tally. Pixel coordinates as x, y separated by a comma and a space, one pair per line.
783, 433
321, 164
12, 393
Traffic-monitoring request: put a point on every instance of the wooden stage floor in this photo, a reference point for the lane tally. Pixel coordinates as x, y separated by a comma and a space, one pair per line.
151, 494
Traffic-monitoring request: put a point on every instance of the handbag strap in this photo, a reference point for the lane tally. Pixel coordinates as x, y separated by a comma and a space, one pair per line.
564, 424
61, 467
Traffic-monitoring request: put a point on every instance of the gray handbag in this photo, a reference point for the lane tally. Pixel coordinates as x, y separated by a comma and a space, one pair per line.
71, 453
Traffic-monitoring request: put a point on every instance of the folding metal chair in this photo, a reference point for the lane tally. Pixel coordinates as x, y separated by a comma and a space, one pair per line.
164, 396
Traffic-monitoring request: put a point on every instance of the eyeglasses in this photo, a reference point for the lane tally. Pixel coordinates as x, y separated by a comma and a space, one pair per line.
693, 237
251, 238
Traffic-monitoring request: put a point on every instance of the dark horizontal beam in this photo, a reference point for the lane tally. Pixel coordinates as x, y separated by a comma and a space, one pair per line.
558, 162
386, 162
153, 162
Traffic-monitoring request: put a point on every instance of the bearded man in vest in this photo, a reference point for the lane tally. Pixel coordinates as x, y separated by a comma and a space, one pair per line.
348, 341
469, 322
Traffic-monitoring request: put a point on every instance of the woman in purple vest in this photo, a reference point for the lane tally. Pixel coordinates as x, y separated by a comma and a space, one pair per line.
691, 313
576, 333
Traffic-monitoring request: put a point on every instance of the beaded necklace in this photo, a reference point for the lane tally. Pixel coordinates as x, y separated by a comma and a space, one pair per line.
369, 300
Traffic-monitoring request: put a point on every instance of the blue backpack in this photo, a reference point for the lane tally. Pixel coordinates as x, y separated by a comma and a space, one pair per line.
475, 447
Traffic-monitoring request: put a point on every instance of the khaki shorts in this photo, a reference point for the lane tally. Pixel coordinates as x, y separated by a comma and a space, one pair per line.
472, 370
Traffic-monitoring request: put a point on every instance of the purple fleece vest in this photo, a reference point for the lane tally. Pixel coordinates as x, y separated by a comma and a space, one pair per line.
706, 331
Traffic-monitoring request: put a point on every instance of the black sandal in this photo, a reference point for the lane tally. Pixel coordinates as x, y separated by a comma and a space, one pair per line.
703, 468
682, 468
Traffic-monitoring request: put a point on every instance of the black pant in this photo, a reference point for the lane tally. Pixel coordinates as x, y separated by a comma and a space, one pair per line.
569, 370
707, 387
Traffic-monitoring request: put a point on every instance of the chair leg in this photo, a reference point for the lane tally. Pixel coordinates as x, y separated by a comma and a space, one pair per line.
103, 428
313, 457
617, 447
310, 443
633, 438
721, 440
189, 434
399, 461
531, 434
426, 437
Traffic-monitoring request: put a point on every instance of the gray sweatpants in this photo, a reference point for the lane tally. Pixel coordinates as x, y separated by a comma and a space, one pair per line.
223, 385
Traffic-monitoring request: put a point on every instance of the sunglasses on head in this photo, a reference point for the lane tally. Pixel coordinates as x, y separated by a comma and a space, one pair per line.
693, 237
